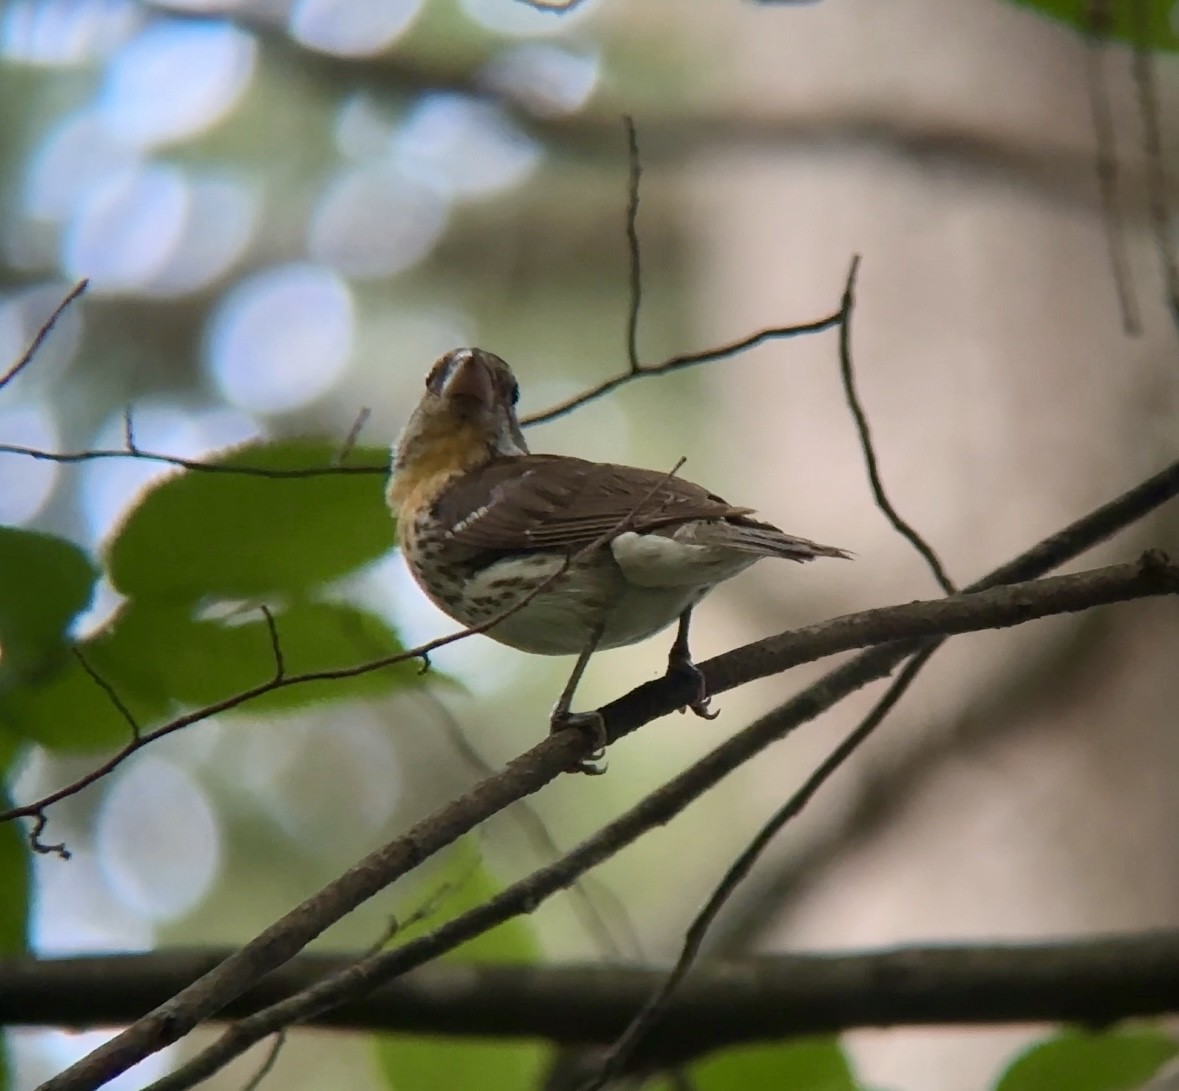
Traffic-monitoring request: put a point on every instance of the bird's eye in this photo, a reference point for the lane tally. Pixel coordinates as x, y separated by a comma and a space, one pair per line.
515, 394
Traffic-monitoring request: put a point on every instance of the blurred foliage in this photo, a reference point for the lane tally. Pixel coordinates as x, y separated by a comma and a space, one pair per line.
197, 544
44, 584
1115, 1060
201, 536
818, 1064
14, 906
1149, 24
409, 1064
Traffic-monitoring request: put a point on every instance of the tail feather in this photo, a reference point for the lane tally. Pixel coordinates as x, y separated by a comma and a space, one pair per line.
759, 539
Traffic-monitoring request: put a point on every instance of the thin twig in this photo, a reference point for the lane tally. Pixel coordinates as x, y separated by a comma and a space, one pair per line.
353, 435
44, 331
112, 695
196, 465
1157, 180
40, 821
129, 432
676, 363
255, 1081
616, 1061
1108, 168
280, 670
544, 844
632, 244
849, 388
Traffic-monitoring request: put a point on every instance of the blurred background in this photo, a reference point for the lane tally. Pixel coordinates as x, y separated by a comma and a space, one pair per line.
288, 208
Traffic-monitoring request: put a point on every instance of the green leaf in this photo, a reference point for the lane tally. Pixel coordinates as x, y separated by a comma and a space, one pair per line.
162, 649
235, 536
1079, 1061
68, 710
14, 881
816, 1064
1122, 21
45, 582
425, 1064
450, 1064
159, 660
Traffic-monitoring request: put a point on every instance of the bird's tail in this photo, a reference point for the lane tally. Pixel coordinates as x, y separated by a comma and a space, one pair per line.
761, 540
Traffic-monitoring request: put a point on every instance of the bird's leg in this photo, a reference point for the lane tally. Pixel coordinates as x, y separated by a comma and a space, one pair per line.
589, 723
679, 661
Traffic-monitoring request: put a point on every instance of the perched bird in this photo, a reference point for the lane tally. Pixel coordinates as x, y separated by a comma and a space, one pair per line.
483, 523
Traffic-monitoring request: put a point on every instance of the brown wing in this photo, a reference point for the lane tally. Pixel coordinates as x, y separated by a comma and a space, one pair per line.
554, 502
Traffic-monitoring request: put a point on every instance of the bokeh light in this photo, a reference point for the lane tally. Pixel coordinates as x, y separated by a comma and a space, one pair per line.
550, 80
158, 839
127, 227
175, 78
464, 146
220, 217
76, 154
374, 221
281, 337
64, 32
351, 28
26, 484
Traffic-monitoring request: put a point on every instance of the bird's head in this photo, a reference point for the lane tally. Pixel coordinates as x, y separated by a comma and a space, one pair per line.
466, 417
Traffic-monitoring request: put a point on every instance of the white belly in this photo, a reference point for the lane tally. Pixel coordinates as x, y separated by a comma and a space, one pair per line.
637, 588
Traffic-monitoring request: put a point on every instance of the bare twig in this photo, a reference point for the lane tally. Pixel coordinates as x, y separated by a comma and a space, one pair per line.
264, 1070
196, 465
280, 670
40, 821
632, 245
884, 789
44, 331
847, 373
545, 846
111, 694
353, 435
616, 1061
657, 808
129, 432
1157, 180
1108, 169
676, 363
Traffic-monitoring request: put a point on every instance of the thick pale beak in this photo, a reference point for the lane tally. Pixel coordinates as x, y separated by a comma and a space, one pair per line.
470, 378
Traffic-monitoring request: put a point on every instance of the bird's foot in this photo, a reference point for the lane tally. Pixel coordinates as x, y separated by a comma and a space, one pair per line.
593, 726
682, 664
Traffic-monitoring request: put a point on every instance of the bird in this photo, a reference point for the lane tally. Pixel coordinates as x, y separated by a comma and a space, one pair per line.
564, 556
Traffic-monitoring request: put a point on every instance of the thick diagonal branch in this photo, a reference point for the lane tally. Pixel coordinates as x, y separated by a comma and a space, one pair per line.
544, 762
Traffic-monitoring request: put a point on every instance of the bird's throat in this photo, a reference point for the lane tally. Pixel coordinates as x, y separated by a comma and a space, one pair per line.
427, 460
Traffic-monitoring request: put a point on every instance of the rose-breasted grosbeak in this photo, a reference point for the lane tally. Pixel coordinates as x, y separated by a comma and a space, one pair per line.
482, 522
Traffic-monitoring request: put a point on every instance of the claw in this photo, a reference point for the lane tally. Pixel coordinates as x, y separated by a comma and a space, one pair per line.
700, 704
593, 726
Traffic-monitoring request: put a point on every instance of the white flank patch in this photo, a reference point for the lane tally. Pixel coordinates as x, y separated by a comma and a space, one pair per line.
654, 560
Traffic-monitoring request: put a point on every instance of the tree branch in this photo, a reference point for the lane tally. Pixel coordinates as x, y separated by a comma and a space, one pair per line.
1088, 979
657, 808
543, 763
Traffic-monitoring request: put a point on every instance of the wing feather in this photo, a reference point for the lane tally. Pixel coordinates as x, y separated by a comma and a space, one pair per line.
555, 502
